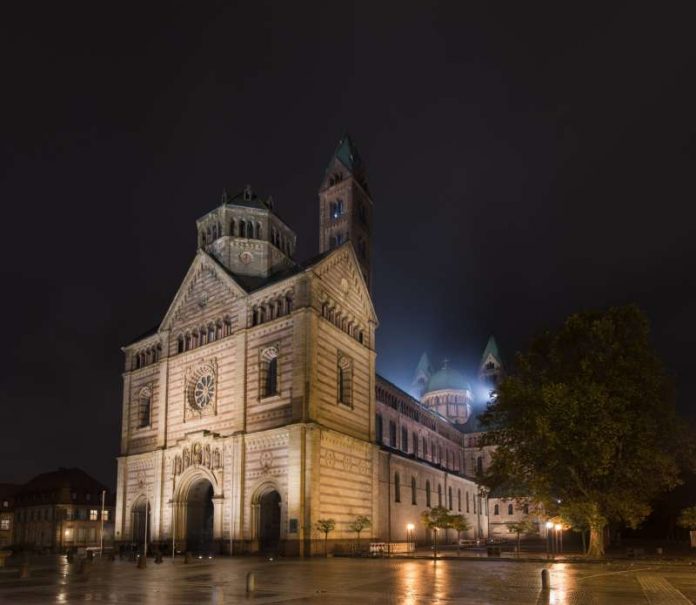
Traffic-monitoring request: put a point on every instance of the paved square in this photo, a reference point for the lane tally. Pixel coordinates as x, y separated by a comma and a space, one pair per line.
348, 581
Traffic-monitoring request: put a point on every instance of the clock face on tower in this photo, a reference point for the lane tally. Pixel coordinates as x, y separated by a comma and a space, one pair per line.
246, 257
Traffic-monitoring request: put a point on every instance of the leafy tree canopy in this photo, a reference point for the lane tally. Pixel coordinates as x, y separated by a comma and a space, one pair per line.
687, 518
587, 419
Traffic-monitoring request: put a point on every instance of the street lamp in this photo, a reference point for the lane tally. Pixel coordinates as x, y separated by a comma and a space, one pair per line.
559, 536
409, 535
549, 527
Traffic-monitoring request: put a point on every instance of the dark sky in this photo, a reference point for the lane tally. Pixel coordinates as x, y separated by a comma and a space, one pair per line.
526, 161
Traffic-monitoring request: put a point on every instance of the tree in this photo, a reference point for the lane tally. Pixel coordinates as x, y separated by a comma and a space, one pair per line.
325, 526
436, 518
460, 524
520, 527
587, 417
360, 523
687, 518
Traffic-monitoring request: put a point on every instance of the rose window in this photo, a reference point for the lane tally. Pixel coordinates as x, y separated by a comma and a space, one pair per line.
203, 391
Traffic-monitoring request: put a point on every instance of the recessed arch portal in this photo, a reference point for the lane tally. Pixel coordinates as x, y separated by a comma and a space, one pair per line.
197, 510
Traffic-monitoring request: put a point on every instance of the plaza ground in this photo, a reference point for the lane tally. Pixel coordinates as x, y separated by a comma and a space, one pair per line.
343, 581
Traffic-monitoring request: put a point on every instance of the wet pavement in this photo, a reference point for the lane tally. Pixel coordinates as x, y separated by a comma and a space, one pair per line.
346, 581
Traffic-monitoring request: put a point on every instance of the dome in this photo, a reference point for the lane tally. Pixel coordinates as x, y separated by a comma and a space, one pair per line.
447, 379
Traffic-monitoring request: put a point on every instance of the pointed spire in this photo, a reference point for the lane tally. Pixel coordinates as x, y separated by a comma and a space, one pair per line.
347, 153
423, 372
491, 350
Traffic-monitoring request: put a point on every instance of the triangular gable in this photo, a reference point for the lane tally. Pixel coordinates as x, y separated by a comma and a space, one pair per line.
202, 265
346, 254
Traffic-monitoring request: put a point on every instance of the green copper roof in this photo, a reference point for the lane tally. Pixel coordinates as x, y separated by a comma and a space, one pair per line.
423, 369
491, 349
447, 378
347, 154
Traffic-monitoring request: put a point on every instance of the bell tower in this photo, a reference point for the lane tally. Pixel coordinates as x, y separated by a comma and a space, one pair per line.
345, 206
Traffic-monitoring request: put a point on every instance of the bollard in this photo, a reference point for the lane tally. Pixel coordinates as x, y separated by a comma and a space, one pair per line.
24, 570
545, 580
142, 563
250, 582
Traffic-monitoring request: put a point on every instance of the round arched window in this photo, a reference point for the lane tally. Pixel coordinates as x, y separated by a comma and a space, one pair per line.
203, 391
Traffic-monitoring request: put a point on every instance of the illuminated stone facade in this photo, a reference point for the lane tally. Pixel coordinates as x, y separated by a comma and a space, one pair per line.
250, 411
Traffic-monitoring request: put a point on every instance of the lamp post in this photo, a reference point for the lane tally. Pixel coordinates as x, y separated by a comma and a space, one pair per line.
409, 536
173, 531
559, 536
549, 527
101, 533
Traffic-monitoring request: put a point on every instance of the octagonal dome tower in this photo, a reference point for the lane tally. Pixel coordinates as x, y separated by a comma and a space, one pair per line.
449, 393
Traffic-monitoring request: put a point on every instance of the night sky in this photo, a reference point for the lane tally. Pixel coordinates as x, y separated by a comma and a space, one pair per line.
525, 161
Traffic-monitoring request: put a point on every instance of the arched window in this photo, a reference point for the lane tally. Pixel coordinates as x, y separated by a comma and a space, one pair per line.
228, 326
479, 465
211, 332
242, 227
414, 440
144, 405
449, 498
509, 509
269, 372
414, 499
459, 500
257, 231
404, 439
427, 494
202, 239
345, 380
397, 487
425, 448
496, 510
233, 227
439, 494
467, 502
378, 428
250, 229
180, 344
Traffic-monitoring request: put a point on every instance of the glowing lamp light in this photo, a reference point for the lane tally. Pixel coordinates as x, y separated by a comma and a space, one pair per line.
558, 527
549, 525
410, 527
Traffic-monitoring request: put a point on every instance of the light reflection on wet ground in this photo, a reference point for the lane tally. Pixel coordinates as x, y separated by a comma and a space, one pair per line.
343, 581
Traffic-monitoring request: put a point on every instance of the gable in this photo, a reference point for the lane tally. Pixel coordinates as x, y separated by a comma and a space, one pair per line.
207, 291
341, 276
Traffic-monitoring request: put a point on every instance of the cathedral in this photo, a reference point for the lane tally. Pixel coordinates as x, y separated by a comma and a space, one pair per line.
254, 409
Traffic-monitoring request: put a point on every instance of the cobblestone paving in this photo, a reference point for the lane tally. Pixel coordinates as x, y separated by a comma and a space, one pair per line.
349, 581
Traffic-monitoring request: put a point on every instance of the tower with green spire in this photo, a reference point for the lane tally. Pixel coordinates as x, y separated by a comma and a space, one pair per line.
491, 367
345, 206
422, 375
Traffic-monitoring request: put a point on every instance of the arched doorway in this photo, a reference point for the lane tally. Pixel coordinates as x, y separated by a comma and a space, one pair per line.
199, 517
139, 510
269, 520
